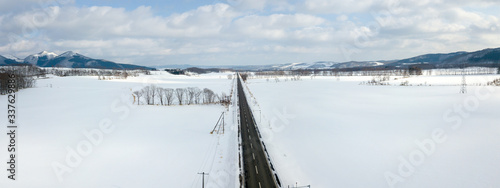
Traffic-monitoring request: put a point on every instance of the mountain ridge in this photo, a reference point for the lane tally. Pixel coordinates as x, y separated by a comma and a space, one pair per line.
68, 59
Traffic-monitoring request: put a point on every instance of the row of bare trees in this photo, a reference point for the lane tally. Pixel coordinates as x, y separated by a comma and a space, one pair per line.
103, 74
154, 95
374, 72
21, 76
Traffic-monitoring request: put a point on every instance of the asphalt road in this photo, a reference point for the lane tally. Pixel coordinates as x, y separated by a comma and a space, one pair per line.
257, 172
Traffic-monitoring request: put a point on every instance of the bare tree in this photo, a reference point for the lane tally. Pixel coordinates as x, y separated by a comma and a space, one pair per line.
161, 94
169, 95
138, 94
225, 99
22, 76
153, 93
147, 94
124, 74
209, 96
180, 94
244, 76
191, 92
197, 95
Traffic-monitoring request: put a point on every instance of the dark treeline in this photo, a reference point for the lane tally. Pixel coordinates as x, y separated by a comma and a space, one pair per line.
154, 95
197, 70
207, 70
25, 75
96, 72
22, 76
414, 70
334, 72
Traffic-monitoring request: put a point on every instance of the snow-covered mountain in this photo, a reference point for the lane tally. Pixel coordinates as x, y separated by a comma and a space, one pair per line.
358, 64
40, 58
486, 57
9, 60
67, 59
483, 57
324, 65
11, 57
314, 65
71, 59
289, 66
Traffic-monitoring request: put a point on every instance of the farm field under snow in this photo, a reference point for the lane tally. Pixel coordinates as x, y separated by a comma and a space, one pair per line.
90, 130
326, 132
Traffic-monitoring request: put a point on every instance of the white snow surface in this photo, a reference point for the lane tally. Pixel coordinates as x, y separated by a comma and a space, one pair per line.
32, 59
323, 132
12, 58
326, 132
148, 146
68, 54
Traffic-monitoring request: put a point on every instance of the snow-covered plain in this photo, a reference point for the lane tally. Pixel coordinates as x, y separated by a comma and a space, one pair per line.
334, 132
323, 132
85, 132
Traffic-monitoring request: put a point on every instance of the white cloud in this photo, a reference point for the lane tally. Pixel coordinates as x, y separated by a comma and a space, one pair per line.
217, 32
249, 4
336, 6
276, 26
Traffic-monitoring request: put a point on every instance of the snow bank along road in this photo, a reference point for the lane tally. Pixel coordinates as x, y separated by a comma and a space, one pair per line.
256, 168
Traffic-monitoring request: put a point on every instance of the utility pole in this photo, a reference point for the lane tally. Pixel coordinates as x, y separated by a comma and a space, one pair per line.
203, 174
463, 89
217, 124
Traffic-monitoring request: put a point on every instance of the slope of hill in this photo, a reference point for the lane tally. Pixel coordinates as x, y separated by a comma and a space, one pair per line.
75, 60
68, 59
40, 58
429, 58
9, 60
483, 57
486, 57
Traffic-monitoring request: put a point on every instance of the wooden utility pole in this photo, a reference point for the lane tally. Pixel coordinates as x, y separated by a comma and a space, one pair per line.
221, 117
203, 174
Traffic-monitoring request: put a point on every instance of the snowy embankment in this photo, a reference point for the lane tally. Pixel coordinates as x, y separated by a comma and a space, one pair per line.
84, 132
326, 132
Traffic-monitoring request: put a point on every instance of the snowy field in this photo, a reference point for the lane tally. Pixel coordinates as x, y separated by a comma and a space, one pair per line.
84, 132
324, 132
333, 132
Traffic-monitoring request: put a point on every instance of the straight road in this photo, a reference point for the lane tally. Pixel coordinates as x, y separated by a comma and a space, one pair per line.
257, 172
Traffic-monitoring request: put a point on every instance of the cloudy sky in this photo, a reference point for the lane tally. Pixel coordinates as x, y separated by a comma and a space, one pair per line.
237, 32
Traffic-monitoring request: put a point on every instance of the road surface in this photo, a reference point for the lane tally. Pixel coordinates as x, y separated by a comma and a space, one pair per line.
257, 172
